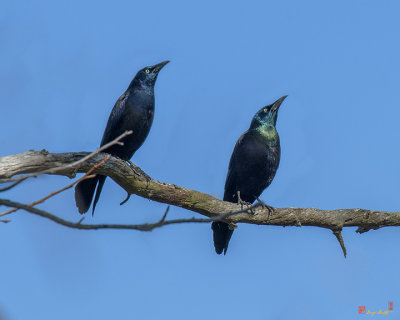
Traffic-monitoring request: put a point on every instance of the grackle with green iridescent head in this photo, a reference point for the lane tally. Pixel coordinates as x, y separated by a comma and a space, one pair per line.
252, 167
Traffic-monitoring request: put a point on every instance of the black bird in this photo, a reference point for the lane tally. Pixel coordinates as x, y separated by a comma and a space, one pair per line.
252, 167
134, 110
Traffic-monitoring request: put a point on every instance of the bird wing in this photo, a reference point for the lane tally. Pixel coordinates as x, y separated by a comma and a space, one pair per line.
230, 183
113, 126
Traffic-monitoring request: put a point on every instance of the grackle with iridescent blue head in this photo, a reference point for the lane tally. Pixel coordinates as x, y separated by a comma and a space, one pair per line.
252, 167
134, 110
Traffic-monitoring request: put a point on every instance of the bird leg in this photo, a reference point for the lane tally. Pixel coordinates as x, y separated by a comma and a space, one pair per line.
232, 226
265, 206
138, 171
133, 167
241, 202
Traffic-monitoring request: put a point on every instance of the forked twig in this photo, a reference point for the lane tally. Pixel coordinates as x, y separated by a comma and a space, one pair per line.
86, 176
71, 165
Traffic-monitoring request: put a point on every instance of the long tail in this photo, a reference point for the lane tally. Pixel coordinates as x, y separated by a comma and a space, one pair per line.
102, 179
222, 234
84, 192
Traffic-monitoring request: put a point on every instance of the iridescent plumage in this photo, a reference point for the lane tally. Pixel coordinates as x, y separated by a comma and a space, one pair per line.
134, 110
254, 162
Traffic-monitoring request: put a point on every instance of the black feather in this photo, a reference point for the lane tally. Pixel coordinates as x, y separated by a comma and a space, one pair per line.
134, 110
252, 167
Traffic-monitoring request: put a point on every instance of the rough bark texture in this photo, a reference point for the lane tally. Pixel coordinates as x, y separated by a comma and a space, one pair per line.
135, 181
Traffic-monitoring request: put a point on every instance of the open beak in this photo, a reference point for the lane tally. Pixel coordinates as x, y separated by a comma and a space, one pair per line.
158, 67
277, 103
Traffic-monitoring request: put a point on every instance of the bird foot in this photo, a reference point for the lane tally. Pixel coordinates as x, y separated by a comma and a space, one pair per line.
232, 226
138, 171
133, 167
265, 206
241, 202
244, 203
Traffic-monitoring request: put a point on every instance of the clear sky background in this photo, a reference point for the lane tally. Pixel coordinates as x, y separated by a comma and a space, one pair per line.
64, 64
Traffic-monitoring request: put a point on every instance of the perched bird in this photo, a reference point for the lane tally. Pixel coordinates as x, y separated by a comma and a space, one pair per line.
252, 167
134, 110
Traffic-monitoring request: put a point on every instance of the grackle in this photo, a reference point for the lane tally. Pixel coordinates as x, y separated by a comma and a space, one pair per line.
134, 110
252, 167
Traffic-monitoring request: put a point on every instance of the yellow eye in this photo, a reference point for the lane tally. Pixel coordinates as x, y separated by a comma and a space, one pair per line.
265, 110
147, 71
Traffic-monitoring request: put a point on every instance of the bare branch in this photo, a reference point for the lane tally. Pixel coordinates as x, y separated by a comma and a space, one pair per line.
56, 169
134, 181
78, 225
11, 185
86, 176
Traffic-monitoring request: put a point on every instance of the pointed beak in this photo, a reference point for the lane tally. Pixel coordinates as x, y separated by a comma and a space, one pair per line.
278, 103
158, 67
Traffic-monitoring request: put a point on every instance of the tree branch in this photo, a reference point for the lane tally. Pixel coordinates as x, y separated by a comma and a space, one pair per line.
87, 175
72, 165
135, 181
78, 225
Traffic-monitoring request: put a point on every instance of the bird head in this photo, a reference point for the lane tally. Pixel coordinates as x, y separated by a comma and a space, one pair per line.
267, 115
148, 75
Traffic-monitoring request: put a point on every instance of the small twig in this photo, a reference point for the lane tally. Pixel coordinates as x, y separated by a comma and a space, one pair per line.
165, 214
11, 186
79, 225
80, 220
141, 227
71, 165
86, 176
339, 237
128, 195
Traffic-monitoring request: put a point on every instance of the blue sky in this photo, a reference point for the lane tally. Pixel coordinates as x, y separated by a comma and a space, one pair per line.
64, 64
